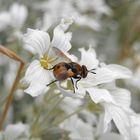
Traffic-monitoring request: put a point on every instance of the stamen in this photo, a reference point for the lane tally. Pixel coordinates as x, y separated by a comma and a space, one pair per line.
51, 60
44, 63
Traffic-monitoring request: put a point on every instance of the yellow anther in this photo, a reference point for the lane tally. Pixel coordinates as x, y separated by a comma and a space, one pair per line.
44, 63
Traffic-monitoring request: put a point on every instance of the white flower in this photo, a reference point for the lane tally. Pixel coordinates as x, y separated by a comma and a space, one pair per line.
16, 131
38, 42
104, 73
118, 111
115, 101
116, 104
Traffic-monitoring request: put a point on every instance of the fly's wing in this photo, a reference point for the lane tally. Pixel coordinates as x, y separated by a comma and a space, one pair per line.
58, 56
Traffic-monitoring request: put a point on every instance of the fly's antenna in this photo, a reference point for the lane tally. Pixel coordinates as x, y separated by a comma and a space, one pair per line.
92, 71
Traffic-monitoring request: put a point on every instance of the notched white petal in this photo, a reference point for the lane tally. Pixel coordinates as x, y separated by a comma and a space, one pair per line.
60, 39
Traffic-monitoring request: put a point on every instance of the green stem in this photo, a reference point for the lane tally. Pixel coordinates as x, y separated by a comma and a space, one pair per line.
41, 109
68, 116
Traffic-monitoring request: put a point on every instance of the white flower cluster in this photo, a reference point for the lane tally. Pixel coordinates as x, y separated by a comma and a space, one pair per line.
100, 86
93, 107
17, 131
77, 10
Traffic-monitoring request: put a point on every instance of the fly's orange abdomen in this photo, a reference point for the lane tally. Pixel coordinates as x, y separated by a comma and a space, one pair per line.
61, 72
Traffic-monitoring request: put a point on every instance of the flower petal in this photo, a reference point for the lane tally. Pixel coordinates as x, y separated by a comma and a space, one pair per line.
111, 136
88, 55
60, 39
36, 72
100, 95
119, 71
122, 97
135, 121
37, 78
36, 41
36, 89
120, 118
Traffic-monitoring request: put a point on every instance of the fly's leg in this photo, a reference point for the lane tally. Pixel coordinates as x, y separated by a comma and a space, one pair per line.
77, 82
52, 82
73, 85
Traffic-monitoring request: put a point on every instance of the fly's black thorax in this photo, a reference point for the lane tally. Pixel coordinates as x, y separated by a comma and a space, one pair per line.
75, 67
79, 71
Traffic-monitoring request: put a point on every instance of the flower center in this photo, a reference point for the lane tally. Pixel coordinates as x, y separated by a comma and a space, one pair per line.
47, 61
44, 63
